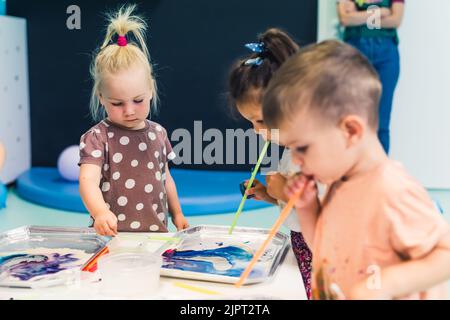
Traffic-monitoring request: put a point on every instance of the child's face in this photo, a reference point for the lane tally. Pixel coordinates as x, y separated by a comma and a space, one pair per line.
322, 149
252, 111
126, 96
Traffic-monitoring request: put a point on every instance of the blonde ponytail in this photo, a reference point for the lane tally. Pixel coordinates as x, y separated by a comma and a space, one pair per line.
122, 22
113, 57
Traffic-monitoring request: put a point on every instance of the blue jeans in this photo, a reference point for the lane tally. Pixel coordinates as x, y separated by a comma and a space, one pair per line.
382, 52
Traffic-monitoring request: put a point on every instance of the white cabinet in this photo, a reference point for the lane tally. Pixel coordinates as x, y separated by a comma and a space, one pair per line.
14, 97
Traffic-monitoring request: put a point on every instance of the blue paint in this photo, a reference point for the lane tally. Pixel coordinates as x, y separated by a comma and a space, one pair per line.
6, 258
186, 260
3, 194
27, 266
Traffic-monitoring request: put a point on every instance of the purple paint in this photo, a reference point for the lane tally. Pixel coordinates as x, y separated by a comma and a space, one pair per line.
28, 266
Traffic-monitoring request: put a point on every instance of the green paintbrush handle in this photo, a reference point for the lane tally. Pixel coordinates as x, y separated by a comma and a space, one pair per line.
249, 184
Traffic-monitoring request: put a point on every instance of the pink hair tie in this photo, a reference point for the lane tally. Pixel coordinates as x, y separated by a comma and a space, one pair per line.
122, 41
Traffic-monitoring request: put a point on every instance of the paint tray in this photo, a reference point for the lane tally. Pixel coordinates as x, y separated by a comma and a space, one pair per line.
209, 253
32, 256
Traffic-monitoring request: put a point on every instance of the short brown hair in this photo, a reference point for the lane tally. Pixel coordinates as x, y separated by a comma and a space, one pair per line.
330, 78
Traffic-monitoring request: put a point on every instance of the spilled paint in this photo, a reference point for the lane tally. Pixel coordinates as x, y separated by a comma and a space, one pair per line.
226, 261
27, 266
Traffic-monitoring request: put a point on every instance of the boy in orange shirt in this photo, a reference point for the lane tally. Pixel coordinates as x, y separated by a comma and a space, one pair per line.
376, 234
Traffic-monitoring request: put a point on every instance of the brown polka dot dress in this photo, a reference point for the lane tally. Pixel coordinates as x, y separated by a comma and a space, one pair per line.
133, 166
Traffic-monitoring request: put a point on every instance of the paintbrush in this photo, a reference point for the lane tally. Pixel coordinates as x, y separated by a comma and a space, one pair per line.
91, 265
194, 288
249, 185
283, 215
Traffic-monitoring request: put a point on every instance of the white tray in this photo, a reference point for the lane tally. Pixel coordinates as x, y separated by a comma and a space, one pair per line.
17, 243
191, 261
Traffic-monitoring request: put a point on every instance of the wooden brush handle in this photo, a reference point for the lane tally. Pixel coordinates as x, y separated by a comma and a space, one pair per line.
283, 215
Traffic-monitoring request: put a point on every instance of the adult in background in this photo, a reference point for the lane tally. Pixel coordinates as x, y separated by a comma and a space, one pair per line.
371, 26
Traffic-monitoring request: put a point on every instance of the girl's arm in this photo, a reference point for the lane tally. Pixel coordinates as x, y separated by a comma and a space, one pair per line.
174, 203
349, 16
411, 276
275, 186
89, 179
90, 175
395, 18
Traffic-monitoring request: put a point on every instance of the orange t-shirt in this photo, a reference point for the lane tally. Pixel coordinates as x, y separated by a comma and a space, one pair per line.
380, 218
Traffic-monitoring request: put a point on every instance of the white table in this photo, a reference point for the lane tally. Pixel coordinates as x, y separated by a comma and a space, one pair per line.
285, 284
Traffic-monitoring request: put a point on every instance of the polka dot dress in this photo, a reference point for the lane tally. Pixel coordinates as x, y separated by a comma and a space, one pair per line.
133, 165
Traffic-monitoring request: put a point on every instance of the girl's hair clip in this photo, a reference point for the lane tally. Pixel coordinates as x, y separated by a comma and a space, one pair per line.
255, 47
254, 62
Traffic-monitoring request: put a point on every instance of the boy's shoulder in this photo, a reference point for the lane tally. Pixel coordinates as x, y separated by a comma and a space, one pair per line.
394, 178
414, 222
399, 190
391, 179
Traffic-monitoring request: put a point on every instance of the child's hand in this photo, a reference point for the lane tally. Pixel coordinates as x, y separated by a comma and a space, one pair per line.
309, 199
180, 222
275, 186
360, 291
384, 12
106, 224
259, 191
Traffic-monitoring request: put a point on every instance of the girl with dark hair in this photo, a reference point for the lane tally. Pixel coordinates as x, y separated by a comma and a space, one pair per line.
248, 80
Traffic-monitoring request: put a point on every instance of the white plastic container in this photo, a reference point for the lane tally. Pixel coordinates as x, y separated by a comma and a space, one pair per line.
129, 274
